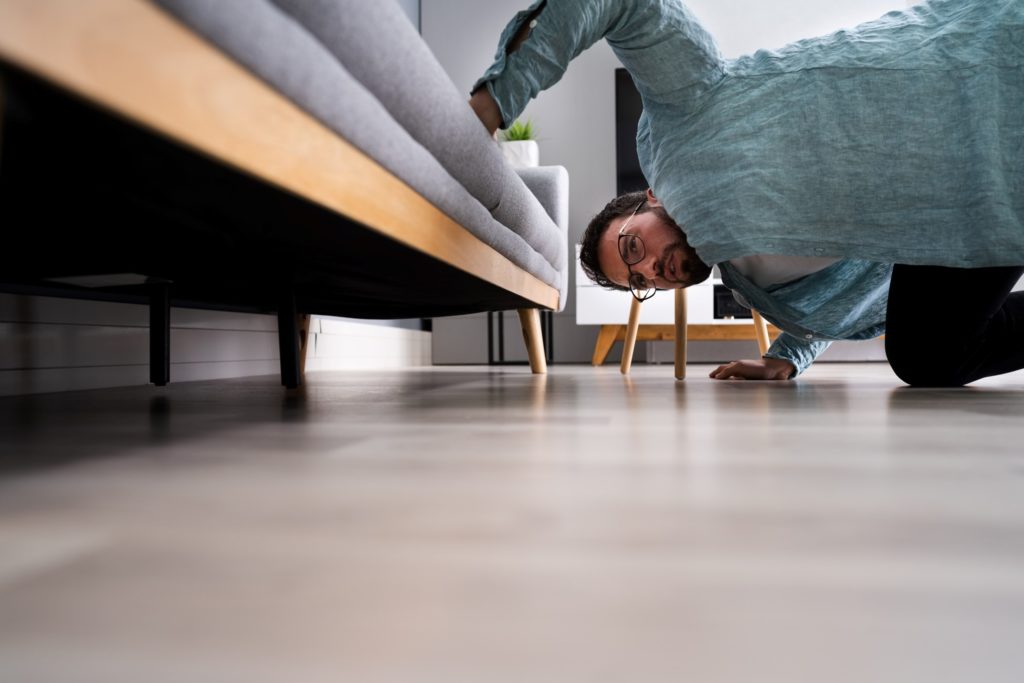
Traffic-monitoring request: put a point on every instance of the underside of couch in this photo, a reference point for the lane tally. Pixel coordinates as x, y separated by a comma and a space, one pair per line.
86, 193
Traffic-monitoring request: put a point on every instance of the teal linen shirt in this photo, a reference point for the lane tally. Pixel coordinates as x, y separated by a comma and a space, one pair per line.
898, 141
845, 301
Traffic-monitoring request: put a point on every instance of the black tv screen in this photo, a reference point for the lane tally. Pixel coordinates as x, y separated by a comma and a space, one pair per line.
628, 106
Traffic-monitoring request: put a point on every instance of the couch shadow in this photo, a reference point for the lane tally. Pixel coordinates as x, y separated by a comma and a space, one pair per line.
41, 431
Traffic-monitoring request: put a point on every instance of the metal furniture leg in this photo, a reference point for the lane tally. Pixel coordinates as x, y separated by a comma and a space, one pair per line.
160, 334
288, 339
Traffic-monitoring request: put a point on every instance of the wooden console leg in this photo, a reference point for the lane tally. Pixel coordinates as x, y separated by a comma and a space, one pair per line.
529, 318
680, 334
605, 341
761, 331
630, 342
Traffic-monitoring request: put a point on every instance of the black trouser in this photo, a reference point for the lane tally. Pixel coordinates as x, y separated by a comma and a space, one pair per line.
946, 327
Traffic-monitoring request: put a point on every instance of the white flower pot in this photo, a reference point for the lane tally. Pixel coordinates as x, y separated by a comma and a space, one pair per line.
521, 152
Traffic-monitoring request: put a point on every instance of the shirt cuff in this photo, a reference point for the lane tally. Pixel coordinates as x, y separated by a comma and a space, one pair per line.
799, 352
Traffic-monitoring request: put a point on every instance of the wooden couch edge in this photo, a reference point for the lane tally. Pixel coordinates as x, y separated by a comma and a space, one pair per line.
129, 57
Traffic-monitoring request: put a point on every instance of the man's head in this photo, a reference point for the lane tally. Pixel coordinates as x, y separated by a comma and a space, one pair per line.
636, 229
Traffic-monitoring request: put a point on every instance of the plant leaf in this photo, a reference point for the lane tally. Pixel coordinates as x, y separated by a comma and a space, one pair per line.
519, 131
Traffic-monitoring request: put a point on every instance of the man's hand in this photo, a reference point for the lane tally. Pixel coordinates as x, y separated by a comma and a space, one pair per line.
486, 109
764, 368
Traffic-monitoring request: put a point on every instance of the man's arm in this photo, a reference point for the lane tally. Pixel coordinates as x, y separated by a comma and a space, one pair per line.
481, 100
486, 110
660, 42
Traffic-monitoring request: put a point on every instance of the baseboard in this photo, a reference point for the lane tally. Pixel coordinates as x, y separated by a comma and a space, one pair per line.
342, 344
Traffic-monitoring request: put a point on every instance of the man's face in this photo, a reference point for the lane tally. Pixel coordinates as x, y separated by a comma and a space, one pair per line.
669, 262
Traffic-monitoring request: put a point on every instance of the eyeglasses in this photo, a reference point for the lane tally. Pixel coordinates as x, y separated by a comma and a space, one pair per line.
632, 251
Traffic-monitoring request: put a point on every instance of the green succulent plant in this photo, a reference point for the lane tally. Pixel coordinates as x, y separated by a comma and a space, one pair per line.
519, 131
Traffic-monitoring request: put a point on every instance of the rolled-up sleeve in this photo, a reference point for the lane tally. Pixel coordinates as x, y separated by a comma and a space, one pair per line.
661, 44
800, 352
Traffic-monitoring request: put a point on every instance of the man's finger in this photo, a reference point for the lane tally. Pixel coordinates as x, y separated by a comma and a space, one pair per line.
722, 371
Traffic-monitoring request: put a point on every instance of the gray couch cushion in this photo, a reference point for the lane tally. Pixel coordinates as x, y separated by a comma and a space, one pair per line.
279, 50
380, 48
550, 185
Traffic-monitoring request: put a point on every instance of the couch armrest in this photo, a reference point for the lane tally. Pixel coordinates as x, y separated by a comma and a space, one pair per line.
550, 185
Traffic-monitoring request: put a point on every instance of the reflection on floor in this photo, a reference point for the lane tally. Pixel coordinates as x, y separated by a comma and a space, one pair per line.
490, 526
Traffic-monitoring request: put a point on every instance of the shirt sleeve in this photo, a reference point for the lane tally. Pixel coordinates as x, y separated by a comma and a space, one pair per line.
667, 52
800, 352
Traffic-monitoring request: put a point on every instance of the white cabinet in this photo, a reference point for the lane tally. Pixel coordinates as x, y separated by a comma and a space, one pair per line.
598, 306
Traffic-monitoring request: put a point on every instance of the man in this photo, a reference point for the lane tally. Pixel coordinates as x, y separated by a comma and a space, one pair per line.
867, 181
633, 241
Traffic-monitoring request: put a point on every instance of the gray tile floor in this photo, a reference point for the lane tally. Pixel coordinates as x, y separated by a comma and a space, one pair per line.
466, 524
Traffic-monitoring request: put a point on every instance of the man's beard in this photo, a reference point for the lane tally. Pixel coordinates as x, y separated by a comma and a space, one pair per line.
692, 270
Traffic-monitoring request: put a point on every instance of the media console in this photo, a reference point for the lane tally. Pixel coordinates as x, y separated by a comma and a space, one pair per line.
706, 321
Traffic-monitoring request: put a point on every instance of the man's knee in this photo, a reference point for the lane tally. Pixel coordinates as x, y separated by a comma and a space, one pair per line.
919, 366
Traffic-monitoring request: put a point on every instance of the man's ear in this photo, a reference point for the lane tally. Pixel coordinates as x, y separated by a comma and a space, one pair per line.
651, 199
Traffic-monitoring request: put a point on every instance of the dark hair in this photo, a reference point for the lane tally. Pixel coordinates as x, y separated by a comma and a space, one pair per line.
622, 205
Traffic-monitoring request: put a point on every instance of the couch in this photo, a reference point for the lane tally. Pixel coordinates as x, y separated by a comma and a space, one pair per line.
297, 156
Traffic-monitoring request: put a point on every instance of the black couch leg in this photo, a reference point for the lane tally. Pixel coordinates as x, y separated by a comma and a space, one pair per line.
160, 334
288, 340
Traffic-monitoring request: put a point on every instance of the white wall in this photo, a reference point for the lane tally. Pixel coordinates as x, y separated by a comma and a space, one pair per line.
346, 344
52, 344
576, 119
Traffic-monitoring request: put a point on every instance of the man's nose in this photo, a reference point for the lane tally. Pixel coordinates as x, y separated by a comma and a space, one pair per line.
648, 267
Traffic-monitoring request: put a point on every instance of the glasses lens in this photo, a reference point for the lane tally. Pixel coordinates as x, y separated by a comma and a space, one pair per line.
631, 249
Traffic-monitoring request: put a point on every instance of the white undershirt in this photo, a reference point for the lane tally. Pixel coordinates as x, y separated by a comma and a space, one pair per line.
765, 270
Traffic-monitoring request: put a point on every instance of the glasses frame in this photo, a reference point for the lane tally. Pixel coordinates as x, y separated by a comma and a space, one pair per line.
640, 295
